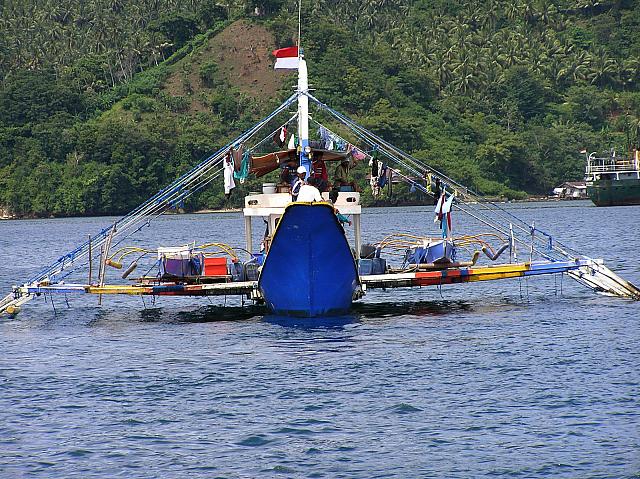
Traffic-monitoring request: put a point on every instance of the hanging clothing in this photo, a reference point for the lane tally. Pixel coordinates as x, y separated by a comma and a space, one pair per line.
237, 157
443, 213
325, 136
382, 178
280, 136
229, 184
355, 153
374, 167
243, 172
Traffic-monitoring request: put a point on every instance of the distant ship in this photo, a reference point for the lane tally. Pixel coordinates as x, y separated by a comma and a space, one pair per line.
613, 180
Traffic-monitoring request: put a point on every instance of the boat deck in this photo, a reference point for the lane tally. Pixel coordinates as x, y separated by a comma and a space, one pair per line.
464, 275
389, 280
248, 288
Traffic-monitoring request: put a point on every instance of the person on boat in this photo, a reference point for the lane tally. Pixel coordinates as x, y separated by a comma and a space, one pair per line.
341, 177
333, 197
301, 172
308, 192
319, 172
288, 175
436, 191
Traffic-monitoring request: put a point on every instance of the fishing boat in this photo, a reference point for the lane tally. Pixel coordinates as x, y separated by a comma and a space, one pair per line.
304, 264
612, 180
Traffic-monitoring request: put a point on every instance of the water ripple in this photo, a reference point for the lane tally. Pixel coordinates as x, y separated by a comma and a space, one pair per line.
506, 379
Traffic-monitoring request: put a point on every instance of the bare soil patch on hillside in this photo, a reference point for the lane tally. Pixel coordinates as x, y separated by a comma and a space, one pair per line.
243, 54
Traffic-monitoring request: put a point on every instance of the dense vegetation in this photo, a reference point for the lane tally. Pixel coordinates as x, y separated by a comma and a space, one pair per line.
501, 95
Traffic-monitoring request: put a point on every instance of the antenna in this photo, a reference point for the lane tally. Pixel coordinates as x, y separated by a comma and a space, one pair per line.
299, 25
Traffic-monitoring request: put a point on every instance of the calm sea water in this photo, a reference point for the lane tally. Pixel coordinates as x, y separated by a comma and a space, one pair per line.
527, 379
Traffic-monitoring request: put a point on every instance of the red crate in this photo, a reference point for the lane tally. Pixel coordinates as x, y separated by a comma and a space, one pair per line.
215, 267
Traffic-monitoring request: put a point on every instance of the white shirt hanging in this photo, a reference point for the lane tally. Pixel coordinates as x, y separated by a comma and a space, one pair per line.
229, 184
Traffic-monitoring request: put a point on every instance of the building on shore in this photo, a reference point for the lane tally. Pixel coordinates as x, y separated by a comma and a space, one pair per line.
573, 190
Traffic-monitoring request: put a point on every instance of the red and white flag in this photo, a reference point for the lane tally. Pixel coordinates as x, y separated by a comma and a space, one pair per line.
286, 58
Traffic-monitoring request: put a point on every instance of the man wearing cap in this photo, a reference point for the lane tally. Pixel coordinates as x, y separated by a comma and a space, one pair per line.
298, 182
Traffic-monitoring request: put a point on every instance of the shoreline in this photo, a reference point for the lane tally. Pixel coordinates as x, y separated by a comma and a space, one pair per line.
238, 210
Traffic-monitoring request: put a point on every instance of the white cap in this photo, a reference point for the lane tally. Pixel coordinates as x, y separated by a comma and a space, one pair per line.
301, 169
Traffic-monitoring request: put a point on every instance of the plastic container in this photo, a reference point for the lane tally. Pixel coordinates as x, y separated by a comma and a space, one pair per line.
379, 266
268, 188
251, 271
215, 267
237, 271
367, 266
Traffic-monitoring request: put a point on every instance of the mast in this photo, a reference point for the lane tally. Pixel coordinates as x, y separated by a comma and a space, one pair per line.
303, 101
303, 115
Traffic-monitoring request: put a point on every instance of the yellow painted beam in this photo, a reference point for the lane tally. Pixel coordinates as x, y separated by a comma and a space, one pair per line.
503, 268
124, 289
503, 271
492, 276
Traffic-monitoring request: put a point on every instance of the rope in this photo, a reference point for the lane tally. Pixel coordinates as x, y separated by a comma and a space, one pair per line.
412, 164
180, 189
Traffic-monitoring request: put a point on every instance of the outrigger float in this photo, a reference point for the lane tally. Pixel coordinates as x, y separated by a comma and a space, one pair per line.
306, 266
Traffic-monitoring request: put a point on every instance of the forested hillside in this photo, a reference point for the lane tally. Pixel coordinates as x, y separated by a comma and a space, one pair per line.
103, 102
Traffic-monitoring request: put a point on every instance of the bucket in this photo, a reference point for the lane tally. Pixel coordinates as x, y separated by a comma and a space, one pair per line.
268, 188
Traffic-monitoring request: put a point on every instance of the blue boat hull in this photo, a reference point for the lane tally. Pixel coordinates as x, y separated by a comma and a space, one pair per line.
309, 270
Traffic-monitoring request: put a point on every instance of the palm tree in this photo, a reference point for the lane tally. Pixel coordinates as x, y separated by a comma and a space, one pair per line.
512, 10
602, 68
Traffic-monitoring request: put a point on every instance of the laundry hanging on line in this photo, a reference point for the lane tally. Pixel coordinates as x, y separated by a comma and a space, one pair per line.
229, 184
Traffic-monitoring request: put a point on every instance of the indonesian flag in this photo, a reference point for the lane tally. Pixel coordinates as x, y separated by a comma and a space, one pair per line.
286, 58
280, 136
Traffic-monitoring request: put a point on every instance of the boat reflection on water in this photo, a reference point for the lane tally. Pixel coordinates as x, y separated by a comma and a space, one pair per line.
413, 308
315, 323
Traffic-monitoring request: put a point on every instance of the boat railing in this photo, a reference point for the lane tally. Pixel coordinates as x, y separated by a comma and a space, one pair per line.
609, 166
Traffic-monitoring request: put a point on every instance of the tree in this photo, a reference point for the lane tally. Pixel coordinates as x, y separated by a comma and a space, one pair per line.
526, 90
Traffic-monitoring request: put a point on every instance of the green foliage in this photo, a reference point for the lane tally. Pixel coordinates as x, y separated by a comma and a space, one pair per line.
500, 95
178, 28
32, 96
525, 91
208, 73
587, 104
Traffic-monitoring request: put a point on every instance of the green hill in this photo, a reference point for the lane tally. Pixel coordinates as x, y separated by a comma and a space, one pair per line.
102, 103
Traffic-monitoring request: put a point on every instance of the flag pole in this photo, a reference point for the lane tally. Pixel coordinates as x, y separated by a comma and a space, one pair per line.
299, 25
303, 101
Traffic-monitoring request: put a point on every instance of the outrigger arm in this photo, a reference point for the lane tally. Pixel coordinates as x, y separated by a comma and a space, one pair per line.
601, 279
589, 272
